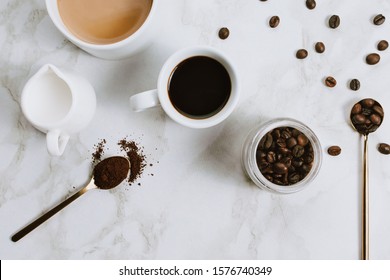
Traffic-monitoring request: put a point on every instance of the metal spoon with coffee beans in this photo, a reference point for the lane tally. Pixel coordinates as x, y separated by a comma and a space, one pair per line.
107, 174
366, 117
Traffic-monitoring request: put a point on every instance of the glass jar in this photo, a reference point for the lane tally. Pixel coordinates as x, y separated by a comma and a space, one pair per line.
250, 148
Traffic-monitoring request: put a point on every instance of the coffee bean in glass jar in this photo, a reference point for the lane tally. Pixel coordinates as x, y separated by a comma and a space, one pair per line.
285, 156
283, 151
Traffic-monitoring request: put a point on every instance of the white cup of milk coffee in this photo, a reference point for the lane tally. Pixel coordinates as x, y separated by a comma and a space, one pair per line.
106, 29
58, 103
197, 87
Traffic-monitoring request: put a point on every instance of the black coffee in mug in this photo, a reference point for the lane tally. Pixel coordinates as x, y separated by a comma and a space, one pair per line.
199, 87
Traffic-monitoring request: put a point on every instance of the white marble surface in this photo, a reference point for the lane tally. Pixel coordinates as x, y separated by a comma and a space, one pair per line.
199, 204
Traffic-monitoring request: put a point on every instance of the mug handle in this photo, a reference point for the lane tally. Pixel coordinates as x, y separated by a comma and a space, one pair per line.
56, 142
144, 100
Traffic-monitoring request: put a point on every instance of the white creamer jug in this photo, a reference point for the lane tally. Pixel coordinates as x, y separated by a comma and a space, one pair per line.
58, 103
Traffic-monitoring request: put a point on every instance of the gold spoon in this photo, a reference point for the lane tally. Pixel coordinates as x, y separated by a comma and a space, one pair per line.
366, 116
107, 174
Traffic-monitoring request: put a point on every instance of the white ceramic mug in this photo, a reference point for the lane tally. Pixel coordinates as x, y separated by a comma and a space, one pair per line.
131, 45
58, 103
160, 96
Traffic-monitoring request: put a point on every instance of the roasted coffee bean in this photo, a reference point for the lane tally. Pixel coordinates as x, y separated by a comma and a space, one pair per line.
281, 142
375, 119
286, 134
384, 148
302, 140
280, 168
310, 4
309, 158
271, 157
356, 109
223, 33
383, 45
366, 111
359, 119
286, 161
368, 102
306, 168
334, 21
301, 54
274, 21
276, 133
320, 47
279, 182
295, 132
298, 151
294, 178
373, 58
298, 162
268, 141
291, 142
334, 150
354, 84
330, 82
379, 110
379, 19
284, 151
263, 165
260, 154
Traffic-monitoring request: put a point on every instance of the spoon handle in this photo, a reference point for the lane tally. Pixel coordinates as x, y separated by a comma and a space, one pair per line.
365, 216
27, 229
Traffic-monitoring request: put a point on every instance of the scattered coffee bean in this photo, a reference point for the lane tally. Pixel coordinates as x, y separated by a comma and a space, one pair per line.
383, 45
373, 58
379, 19
354, 84
311, 4
285, 156
334, 150
330, 82
320, 47
366, 116
384, 148
334, 21
274, 21
301, 54
223, 33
